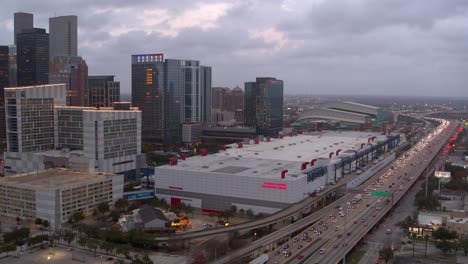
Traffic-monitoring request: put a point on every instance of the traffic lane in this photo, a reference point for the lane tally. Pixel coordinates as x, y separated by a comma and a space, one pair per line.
346, 241
355, 220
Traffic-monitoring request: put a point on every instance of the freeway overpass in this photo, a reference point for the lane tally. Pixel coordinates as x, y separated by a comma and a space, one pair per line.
311, 252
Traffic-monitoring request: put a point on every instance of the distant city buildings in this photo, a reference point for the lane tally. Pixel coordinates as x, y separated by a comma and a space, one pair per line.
73, 72
103, 91
42, 132
228, 105
32, 57
4, 82
169, 93
264, 105
63, 35
21, 22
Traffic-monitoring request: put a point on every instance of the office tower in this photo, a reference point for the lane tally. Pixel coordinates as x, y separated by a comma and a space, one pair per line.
4, 81
235, 99
103, 91
12, 66
32, 57
73, 72
169, 93
147, 93
30, 116
264, 105
218, 97
22, 21
44, 133
206, 94
63, 35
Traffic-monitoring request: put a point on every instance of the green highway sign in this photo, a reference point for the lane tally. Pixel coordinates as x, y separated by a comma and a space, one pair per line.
379, 193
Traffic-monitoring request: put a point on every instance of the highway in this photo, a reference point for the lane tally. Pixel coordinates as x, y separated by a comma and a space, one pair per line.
297, 226
329, 239
286, 213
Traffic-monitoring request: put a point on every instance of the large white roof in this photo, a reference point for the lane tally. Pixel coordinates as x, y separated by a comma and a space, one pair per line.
268, 159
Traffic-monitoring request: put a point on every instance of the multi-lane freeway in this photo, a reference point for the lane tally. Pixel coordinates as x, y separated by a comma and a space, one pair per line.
335, 233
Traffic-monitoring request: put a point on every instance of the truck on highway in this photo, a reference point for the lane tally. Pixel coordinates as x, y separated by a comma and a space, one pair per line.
262, 259
357, 198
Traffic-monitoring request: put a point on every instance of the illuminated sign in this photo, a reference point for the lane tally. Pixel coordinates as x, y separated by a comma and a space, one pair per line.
442, 174
149, 57
274, 185
149, 76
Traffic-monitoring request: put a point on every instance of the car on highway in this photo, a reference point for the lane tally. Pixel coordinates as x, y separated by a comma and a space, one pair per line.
300, 257
300, 246
388, 231
286, 246
322, 251
339, 236
287, 254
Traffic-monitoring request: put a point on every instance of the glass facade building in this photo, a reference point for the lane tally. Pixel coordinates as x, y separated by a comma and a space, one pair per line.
32, 57
264, 106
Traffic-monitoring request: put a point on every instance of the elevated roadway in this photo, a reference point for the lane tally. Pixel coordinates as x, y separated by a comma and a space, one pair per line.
342, 233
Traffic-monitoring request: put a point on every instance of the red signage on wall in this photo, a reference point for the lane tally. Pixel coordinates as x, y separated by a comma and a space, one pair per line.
274, 185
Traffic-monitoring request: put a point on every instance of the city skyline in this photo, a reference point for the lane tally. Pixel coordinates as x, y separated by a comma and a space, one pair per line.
315, 47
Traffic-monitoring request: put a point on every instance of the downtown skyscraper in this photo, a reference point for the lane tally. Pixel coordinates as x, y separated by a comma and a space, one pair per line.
264, 105
32, 57
170, 92
63, 35
73, 72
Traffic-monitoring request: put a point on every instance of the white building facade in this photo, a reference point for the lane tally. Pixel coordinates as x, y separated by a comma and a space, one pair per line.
49, 134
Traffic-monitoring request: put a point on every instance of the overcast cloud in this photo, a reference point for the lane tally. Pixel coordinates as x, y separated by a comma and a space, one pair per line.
407, 47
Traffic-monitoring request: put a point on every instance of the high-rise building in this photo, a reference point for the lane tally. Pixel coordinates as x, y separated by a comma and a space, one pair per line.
43, 133
32, 57
218, 97
12, 66
226, 99
169, 93
73, 72
206, 93
22, 21
30, 116
4, 82
264, 105
63, 34
103, 91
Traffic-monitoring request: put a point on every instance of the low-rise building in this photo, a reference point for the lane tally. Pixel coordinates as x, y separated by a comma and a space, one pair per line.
147, 217
56, 194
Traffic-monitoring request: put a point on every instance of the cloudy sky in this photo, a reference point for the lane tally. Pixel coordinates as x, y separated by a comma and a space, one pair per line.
407, 47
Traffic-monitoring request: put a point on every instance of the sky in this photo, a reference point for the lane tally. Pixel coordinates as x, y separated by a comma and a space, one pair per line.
384, 47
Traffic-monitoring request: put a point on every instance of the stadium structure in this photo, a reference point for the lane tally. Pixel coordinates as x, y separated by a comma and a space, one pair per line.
344, 114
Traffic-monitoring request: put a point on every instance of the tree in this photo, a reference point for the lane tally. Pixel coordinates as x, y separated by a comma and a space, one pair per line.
77, 217
38, 221
444, 245
114, 215
443, 233
103, 208
249, 213
464, 246
92, 245
386, 254
124, 250
82, 241
242, 211
45, 224
107, 246
68, 236
7, 248
121, 204
234, 209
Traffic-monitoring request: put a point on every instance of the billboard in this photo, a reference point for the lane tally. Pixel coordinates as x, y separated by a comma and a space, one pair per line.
442, 174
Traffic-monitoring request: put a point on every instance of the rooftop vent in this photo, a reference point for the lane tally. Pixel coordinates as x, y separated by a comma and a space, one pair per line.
205, 167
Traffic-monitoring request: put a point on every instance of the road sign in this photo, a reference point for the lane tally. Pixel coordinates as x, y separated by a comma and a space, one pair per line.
379, 193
